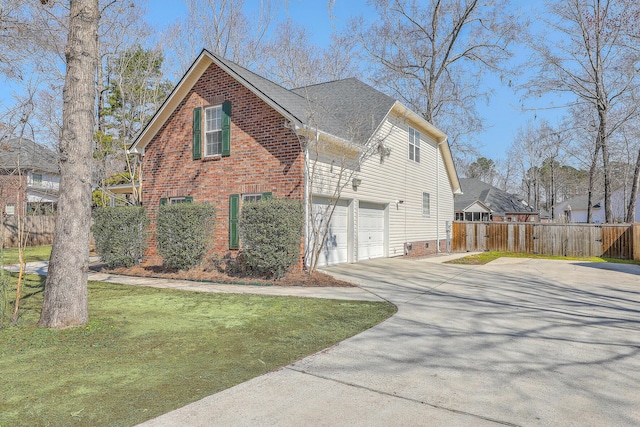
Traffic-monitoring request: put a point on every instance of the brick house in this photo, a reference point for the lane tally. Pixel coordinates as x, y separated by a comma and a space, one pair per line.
29, 177
229, 136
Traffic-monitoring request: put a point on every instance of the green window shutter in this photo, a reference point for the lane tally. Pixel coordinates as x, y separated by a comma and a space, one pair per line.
163, 201
197, 133
188, 199
268, 195
226, 128
234, 213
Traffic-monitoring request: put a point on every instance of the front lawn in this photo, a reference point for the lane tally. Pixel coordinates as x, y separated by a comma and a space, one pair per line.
486, 257
147, 351
31, 254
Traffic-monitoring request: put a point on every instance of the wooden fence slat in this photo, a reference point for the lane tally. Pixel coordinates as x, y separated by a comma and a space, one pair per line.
573, 240
39, 230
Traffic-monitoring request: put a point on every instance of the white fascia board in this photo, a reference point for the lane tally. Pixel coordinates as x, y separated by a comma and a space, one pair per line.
183, 87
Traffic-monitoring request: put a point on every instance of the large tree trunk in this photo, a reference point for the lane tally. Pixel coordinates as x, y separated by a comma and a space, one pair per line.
633, 197
65, 296
602, 131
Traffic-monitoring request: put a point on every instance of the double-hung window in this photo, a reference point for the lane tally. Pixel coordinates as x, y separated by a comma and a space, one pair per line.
426, 204
414, 145
213, 131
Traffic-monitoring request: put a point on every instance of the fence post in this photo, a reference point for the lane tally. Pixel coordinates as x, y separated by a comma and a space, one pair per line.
635, 237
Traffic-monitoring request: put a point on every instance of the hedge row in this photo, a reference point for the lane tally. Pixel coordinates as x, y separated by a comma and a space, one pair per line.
271, 232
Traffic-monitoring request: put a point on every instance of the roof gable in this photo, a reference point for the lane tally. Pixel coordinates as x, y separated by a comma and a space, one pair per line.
346, 110
500, 202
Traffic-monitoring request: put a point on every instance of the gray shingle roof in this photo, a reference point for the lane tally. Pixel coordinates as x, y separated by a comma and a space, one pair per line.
581, 202
500, 202
27, 154
348, 108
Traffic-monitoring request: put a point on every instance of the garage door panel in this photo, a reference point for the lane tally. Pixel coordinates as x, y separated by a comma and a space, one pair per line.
371, 231
335, 248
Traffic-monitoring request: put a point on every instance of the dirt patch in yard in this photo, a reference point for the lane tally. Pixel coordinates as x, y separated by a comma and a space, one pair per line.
202, 274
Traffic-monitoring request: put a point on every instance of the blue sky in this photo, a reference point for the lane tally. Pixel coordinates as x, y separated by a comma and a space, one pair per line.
502, 115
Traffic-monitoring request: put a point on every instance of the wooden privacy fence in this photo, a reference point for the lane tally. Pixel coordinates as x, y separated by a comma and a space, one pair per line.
39, 230
572, 240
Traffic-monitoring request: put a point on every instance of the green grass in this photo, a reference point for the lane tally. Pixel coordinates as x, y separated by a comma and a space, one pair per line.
147, 351
486, 257
31, 254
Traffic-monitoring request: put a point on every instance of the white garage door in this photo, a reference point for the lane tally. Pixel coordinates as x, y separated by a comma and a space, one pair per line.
370, 231
335, 248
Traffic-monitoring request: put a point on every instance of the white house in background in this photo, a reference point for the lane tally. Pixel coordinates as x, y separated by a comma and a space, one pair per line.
29, 177
575, 209
228, 136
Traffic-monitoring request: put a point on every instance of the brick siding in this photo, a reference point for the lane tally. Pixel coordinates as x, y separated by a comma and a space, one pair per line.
424, 248
13, 191
265, 155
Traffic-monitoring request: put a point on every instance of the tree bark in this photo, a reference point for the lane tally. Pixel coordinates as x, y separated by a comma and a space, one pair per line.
65, 297
633, 197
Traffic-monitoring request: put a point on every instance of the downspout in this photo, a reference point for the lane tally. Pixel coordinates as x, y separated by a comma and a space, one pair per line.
307, 213
438, 194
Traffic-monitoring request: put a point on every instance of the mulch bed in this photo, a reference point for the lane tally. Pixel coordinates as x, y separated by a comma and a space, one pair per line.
296, 278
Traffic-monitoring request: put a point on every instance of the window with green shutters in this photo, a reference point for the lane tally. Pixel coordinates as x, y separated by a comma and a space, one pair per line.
226, 129
197, 133
216, 131
234, 213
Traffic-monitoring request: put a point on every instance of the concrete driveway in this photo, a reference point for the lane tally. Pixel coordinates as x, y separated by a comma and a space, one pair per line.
515, 342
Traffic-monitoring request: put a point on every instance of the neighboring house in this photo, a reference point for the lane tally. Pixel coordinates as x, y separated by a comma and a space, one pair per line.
575, 209
228, 136
29, 177
484, 202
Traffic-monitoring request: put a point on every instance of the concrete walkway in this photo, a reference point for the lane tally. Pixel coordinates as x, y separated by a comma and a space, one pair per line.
345, 293
515, 342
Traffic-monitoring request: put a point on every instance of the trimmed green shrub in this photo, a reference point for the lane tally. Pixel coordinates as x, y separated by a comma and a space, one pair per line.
271, 232
183, 233
120, 234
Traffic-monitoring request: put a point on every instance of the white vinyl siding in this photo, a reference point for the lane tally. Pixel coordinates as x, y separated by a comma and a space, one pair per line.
398, 178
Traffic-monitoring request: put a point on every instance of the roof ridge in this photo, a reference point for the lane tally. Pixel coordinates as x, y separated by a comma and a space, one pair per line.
328, 82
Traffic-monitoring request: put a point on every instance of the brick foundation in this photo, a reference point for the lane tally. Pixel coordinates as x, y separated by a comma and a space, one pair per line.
424, 248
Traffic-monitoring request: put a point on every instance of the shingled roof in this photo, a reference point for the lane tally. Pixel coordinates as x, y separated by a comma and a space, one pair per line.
347, 108
28, 155
500, 202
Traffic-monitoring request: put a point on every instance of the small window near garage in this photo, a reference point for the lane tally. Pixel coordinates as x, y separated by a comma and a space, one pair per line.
426, 204
176, 200
251, 198
414, 145
36, 178
10, 209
